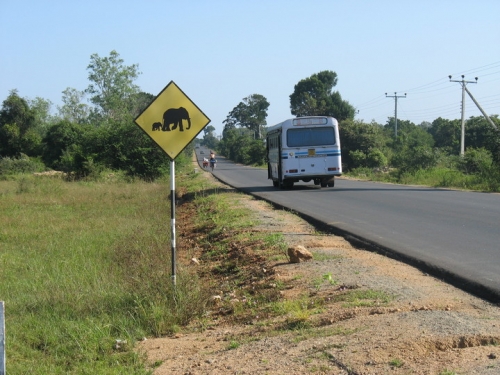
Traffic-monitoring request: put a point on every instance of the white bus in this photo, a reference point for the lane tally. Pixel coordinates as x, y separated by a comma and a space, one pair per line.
304, 149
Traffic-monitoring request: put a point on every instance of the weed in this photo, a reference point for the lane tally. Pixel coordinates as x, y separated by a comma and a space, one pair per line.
396, 362
329, 279
363, 298
275, 240
447, 372
233, 345
319, 281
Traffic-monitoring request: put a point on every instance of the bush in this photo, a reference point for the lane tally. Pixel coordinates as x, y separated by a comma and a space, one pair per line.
376, 159
412, 159
22, 164
476, 160
358, 159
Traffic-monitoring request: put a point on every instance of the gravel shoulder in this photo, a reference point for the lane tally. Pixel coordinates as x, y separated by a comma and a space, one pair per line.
412, 323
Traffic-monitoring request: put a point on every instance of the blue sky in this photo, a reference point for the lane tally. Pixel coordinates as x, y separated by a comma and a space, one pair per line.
221, 51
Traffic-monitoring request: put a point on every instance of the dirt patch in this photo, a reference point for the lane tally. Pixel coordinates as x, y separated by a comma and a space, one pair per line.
368, 314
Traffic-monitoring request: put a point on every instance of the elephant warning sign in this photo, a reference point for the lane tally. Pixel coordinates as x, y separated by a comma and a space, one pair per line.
172, 120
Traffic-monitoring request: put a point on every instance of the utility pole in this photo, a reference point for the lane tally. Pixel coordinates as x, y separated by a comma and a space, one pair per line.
481, 109
395, 96
463, 82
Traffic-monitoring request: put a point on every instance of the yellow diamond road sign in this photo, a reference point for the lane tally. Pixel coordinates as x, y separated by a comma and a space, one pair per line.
172, 120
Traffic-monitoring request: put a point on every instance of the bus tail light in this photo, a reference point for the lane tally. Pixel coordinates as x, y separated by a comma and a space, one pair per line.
331, 169
293, 171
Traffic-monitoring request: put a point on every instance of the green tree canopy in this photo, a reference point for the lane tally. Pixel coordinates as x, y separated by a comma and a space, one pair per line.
409, 134
250, 113
313, 96
58, 139
140, 102
73, 110
479, 133
17, 127
360, 139
209, 129
446, 134
112, 90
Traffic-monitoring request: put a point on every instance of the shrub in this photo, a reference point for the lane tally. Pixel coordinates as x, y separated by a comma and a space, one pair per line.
358, 159
22, 164
376, 159
476, 160
412, 159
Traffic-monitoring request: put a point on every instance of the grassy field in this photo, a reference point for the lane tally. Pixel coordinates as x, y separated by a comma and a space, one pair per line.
85, 271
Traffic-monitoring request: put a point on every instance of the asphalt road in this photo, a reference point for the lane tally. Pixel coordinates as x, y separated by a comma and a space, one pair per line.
454, 235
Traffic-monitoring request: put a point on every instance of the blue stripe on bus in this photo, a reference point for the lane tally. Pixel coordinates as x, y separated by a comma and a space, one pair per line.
324, 153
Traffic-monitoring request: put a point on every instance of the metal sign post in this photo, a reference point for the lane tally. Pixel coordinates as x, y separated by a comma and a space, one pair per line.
2, 338
172, 120
172, 216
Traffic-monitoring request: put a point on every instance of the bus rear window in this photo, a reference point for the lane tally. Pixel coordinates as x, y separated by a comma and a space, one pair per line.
305, 137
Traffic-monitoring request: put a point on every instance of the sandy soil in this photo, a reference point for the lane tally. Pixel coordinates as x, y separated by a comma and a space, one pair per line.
424, 326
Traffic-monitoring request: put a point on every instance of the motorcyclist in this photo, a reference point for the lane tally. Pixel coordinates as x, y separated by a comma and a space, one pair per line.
212, 160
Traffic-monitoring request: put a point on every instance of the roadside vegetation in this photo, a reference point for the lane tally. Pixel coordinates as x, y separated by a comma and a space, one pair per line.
86, 270
84, 195
420, 154
94, 132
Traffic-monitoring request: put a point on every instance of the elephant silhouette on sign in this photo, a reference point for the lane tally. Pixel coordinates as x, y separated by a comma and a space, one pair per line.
157, 126
175, 116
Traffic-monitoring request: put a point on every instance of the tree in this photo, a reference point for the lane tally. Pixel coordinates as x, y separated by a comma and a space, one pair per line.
313, 96
125, 147
60, 138
250, 113
208, 130
41, 110
112, 87
361, 142
479, 133
140, 102
409, 134
73, 109
239, 145
17, 127
446, 134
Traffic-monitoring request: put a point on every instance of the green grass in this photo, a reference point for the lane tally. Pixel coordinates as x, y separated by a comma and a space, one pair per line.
233, 345
442, 177
83, 264
447, 372
396, 362
363, 298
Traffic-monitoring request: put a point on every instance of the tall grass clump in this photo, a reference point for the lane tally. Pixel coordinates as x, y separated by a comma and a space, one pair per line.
22, 164
85, 271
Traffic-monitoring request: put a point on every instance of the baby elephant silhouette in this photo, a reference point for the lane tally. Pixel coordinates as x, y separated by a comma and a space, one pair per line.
157, 126
175, 116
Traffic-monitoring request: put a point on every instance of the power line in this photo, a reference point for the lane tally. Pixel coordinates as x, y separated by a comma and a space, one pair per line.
434, 92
